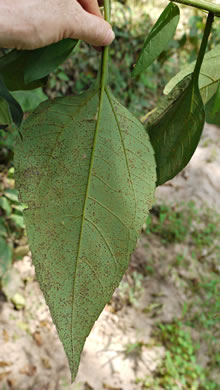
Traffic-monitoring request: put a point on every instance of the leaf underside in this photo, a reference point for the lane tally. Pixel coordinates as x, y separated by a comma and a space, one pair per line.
88, 178
209, 75
175, 129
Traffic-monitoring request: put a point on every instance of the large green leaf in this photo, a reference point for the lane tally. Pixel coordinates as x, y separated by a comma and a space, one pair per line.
209, 75
28, 69
10, 109
159, 38
175, 128
86, 170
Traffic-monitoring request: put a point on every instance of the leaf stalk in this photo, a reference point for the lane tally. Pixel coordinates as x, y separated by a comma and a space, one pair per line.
105, 53
201, 4
203, 46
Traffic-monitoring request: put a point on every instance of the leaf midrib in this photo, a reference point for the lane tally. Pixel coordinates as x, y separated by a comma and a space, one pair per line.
101, 92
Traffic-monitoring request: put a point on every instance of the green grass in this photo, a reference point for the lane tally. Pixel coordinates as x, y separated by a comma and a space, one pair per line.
179, 368
11, 223
131, 290
170, 223
176, 223
207, 316
197, 233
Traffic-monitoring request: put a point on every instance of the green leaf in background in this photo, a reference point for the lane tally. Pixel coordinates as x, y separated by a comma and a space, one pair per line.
3, 230
29, 100
5, 115
28, 69
176, 128
12, 68
87, 172
18, 220
43, 61
5, 205
11, 194
159, 38
212, 109
16, 112
209, 75
5, 256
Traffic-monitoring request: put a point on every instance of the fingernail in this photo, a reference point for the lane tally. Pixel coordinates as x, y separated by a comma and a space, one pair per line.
110, 36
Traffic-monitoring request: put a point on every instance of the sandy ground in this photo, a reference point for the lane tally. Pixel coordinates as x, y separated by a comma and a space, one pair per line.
200, 181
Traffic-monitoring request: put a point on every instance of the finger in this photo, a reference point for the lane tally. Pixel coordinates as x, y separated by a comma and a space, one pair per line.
94, 30
91, 6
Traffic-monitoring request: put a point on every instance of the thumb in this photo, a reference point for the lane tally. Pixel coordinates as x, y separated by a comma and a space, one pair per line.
94, 30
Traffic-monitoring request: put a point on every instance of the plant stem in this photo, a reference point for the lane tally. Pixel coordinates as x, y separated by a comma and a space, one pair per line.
105, 54
201, 4
203, 46
107, 8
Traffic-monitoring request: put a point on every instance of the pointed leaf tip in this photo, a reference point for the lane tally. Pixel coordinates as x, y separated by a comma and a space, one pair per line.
158, 39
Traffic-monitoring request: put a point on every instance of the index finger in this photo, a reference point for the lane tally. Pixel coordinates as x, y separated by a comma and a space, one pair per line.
91, 6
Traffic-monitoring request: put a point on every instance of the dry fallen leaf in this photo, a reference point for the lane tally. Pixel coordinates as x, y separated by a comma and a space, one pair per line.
4, 374
37, 337
105, 386
46, 363
5, 364
29, 370
5, 335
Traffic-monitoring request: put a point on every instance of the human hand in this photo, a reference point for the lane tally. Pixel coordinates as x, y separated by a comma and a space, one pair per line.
30, 24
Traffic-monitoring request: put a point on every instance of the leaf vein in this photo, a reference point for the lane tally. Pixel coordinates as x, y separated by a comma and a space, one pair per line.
136, 155
104, 182
110, 211
95, 273
125, 154
103, 237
